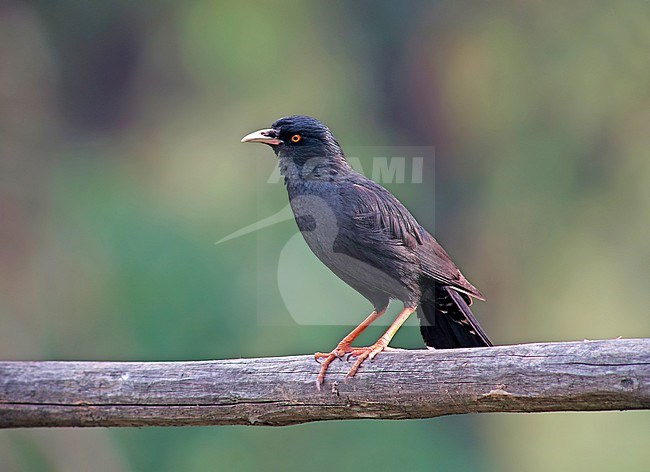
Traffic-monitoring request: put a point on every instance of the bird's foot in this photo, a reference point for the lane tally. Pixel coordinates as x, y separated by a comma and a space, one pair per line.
339, 352
363, 353
343, 349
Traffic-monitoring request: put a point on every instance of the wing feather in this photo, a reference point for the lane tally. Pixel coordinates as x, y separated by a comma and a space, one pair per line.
381, 223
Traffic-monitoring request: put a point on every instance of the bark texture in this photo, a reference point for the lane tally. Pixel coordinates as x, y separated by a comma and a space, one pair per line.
568, 376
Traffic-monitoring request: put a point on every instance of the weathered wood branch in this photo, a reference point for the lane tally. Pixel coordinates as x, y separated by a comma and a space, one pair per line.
592, 375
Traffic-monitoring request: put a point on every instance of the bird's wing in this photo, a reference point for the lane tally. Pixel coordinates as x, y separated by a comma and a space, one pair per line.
380, 222
437, 265
379, 215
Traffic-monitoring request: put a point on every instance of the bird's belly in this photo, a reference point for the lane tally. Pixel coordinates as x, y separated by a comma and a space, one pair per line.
319, 225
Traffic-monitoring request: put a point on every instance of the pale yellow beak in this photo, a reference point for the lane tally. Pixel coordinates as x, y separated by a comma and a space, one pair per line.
266, 136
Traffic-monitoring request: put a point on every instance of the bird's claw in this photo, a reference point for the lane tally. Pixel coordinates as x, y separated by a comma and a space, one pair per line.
345, 350
338, 353
363, 353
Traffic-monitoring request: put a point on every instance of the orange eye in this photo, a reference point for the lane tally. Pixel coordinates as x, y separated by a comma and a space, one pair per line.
296, 138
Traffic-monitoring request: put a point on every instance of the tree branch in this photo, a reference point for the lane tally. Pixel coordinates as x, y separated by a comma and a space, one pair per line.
592, 375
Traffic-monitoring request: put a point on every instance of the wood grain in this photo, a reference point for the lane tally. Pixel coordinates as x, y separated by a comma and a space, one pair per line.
568, 376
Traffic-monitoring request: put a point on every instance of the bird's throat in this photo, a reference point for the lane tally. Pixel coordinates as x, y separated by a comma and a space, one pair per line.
313, 169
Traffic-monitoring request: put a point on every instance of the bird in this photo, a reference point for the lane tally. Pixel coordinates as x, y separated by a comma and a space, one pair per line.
368, 238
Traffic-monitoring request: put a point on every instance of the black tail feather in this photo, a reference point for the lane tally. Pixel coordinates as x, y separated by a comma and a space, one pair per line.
446, 322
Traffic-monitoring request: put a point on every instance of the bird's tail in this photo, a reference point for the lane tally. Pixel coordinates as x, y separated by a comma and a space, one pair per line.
446, 322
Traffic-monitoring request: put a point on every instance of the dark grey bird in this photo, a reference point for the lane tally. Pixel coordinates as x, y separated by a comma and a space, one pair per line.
363, 234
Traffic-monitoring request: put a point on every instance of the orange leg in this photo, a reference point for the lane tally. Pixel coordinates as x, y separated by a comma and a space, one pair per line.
344, 346
363, 353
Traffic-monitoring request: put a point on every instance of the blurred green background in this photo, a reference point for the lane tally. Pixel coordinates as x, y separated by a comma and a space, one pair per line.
120, 166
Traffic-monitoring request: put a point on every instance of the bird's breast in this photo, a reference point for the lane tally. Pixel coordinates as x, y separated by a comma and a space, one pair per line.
317, 218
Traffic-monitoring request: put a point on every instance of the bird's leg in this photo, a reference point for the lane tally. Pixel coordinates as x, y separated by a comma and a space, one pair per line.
363, 353
344, 346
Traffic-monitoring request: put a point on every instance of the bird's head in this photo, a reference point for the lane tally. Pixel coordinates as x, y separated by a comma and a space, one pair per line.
298, 140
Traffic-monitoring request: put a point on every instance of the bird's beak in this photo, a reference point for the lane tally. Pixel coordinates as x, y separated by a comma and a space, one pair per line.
266, 136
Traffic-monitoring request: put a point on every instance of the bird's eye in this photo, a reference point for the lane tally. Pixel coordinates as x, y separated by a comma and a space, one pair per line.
296, 138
